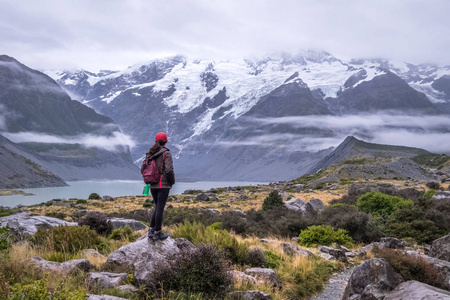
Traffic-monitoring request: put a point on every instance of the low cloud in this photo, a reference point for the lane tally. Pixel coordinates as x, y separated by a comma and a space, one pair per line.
110, 143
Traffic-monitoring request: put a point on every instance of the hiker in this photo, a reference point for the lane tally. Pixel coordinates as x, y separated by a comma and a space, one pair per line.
160, 189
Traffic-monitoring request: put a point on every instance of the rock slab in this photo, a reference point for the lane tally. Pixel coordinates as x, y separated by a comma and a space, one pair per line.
102, 280
62, 268
122, 223
250, 295
414, 290
440, 248
265, 276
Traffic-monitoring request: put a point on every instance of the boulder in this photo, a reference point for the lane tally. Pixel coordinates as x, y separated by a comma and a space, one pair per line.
295, 204
265, 276
143, 254
267, 241
241, 277
121, 223
249, 295
441, 196
102, 280
108, 198
391, 243
92, 253
103, 297
62, 268
290, 249
24, 224
440, 248
298, 187
327, 256
202, 197
373, 279
414, 290
339, 254
313, 206
79, 213
128, 288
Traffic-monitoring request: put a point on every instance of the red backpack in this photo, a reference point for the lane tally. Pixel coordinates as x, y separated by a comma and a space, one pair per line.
150, 170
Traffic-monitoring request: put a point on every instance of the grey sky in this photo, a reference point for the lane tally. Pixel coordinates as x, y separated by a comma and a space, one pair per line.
113, 34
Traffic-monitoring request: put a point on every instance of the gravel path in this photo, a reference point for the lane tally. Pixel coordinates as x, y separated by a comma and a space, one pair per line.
335, 287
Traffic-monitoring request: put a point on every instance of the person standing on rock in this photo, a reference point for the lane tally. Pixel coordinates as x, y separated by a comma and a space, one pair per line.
160, 190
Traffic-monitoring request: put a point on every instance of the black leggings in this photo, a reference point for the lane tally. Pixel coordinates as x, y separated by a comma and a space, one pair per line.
160, 197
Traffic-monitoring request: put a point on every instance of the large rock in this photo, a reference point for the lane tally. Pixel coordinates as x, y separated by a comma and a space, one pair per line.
414, 290
442, 266
102, 280
62, 268
103, 297
313, 206
373, 279
339, 254
265, 276
143, 254
121, 223
290, 249
25, 224
241, 277
391, 243
249, 295
441, 196
440, 248
295, 204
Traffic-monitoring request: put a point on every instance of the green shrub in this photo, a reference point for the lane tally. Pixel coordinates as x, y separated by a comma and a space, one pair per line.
94, 196
199, 234
148, 204
37, 290
121, 233
96, 221
58, 256
69, 239
4, 238
82, 201
273, 260
377, 203
203, 270
272, 201
411, 267
5, 212
256, 258
324, 235
58, 215
428, 194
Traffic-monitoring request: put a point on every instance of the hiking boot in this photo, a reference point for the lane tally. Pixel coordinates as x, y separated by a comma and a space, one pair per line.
160, 236
151, 233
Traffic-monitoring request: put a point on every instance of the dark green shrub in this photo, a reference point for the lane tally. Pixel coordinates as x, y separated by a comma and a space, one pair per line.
430, 193
272, 201
66, 238
82, 201
58, 215
94, 196
272, 260
121, 233
434, 185
203, 270
5, 243
96, 221
357, 223
324, 235
5, 212
256, 258
377, 203
411, 267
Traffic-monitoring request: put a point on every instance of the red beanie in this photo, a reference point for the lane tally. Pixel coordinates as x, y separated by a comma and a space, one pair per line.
161, 136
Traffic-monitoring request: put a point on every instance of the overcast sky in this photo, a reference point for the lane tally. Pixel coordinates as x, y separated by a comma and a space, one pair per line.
113, 34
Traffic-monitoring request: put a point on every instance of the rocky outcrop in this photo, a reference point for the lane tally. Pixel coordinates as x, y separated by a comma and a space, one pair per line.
391, 243
103, 297
121, 223
25, 224
295, 204
441, 196
440, 248
242, 278
414, 290
265, 276
290, 249
249, 295
338, 254
313, 206
373, 279
143, 254
62, 268
104, 280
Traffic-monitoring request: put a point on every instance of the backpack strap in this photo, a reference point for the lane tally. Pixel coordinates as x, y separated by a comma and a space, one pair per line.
162, 165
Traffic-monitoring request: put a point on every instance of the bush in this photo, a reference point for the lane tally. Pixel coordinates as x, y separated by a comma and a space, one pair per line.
357, 223
256, 258
122, 233
96, 221
428, 194
412, 268
272, 201
82, 201
94, 196
324, 235
273, 261
5, 243
203, 270
377, 203
70, 239
58, 215
198, 234
433, 185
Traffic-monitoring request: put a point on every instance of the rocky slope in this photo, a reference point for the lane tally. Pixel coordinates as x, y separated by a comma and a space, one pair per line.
56, 132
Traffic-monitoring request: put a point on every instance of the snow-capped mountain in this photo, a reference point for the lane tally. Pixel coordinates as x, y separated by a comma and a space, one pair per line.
230, 119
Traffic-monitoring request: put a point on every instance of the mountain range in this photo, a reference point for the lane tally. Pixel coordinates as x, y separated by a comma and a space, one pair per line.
268, 118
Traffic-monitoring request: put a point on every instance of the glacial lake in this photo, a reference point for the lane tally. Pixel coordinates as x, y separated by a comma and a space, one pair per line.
115, 188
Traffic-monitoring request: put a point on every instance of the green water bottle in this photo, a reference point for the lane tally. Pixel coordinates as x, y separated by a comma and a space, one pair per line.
146, 190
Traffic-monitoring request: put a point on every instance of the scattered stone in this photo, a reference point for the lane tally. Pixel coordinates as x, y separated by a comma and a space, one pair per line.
363, 251
298, 187
373, 279
108, 198
102, 280
327, 256
169, 206
121, 223
290, 249
441, 196
265, 276
103, 297
202, 197
440, 248
79, 213
295, 204
239, 212
224, 205
267, 241
309, 191
24, 224
391, 243
143, 254
213, 210
92, 253
244, 197
119, 206
241, 277
414, 290
339, 254
128, 288
62, 268
313, 206
249, 295
295, 239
